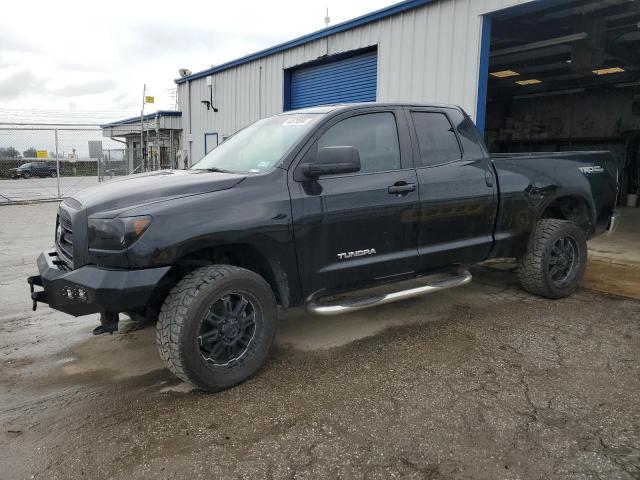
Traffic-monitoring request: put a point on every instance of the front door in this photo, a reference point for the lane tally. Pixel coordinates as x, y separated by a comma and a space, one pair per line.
358, 229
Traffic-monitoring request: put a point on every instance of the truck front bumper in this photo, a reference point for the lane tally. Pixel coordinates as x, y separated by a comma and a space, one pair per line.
91, 289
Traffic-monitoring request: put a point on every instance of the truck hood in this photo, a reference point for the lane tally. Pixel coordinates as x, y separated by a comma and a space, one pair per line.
114, 196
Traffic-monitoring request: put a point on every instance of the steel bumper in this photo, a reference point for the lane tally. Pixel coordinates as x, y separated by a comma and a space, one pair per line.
91, 289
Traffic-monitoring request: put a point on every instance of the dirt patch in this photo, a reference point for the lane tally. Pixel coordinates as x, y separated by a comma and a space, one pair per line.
615, 278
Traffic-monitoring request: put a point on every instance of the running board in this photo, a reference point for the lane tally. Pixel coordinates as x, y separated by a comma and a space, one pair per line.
460, 278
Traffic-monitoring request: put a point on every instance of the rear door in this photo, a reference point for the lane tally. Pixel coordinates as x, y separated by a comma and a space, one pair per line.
458, 192
358, 229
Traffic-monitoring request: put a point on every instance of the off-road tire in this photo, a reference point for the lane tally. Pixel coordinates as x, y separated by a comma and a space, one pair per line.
534, 267
181, 318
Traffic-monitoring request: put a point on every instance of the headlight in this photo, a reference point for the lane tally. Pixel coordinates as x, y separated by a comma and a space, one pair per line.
116, 233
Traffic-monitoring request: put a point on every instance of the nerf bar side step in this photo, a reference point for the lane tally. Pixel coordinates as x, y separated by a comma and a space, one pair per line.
457, 280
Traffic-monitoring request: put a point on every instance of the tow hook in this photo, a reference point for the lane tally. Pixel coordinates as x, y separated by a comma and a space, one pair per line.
36, 296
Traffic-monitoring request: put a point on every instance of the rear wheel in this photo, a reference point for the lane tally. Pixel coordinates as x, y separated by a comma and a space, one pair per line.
216, 327
556, 258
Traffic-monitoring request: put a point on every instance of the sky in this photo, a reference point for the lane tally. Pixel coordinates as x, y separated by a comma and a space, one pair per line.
87, 61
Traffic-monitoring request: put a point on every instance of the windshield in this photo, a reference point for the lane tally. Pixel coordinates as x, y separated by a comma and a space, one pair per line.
259, 147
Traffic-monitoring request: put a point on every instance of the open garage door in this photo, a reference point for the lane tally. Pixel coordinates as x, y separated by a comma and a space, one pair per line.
565, 75
348, 80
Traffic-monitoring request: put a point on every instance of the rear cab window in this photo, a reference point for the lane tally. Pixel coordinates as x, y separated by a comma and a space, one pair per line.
437, 140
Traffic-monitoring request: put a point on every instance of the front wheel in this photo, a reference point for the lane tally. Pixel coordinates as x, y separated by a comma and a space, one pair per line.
556, 259
216, 326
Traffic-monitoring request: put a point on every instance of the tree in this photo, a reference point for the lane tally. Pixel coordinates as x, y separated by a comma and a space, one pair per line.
9, 152
30, 153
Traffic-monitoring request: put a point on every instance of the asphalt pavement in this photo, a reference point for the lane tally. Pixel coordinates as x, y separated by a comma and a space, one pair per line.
481, 382
29, 189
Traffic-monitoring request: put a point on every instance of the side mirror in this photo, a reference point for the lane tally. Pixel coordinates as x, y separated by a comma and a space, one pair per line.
333, 161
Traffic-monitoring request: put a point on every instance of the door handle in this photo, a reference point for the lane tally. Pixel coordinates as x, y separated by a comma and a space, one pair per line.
401, 188
488, 178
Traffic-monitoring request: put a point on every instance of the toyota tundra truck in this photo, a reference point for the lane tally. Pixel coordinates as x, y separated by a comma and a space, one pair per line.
303, 207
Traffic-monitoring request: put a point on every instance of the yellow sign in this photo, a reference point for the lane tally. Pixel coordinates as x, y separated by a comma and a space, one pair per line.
42, 154
148, 99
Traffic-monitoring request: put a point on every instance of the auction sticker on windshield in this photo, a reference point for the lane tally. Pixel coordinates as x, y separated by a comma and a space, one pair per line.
297, 121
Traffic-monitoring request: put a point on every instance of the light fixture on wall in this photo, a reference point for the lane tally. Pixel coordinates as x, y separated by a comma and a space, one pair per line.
209, 103
532, 81
608, 71
504, 74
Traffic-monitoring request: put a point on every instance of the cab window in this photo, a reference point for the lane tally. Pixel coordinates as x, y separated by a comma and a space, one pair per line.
374, 135
436, 138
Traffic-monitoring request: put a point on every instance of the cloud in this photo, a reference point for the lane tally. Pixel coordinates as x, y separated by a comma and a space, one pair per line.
87, 88
147, 40
125, 101
17, 42
75, 66
20, 84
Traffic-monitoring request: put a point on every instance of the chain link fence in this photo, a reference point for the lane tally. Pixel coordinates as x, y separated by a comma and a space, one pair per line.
39, 162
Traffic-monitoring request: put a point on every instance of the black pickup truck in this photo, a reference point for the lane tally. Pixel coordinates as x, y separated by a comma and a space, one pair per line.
302, 206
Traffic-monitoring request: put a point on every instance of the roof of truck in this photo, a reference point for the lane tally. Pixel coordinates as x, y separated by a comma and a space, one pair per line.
351, 106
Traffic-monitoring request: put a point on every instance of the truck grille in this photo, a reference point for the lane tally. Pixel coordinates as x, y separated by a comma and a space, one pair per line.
64, 239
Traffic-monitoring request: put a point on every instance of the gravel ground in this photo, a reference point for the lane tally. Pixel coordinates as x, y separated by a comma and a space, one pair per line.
483, 382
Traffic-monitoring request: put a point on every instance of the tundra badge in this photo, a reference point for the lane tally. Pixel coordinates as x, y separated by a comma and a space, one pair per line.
357, 253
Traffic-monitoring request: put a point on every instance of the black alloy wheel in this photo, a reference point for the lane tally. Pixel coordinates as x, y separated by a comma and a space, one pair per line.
563, 260
555, 260
216, 327
227, 329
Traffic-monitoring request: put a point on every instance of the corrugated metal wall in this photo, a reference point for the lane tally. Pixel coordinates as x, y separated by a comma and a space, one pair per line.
429, 54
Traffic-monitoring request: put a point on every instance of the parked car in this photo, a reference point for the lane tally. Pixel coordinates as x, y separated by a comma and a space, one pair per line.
306, 205
33, 169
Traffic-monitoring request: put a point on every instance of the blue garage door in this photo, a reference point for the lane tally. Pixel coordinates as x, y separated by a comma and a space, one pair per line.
350, 80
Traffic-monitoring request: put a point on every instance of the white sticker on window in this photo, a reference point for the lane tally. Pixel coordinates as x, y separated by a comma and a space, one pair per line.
263, 164
297, 121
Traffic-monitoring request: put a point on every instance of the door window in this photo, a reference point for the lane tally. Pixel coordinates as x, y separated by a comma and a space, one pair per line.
375, 135
436, 138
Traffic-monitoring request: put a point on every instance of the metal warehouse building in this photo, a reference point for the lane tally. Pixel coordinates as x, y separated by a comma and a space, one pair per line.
534, 74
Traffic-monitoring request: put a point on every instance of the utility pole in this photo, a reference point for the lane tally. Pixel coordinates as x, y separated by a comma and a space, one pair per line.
327, 19
157, 142
57, 164
144, 91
